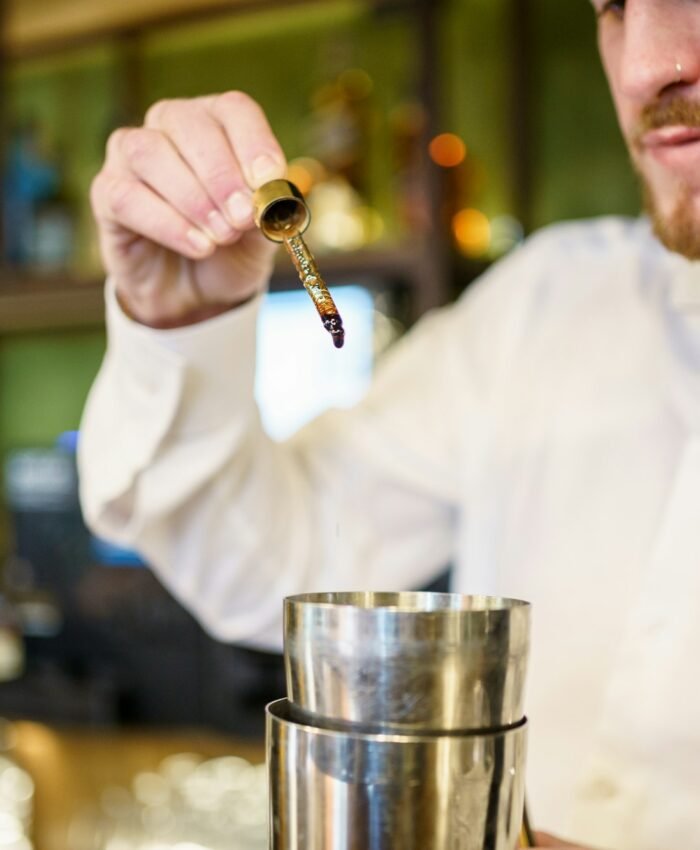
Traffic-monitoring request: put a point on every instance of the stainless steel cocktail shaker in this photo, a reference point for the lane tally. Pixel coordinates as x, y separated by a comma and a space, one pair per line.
404, 727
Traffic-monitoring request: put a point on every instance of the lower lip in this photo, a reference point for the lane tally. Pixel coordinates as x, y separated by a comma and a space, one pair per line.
681, 156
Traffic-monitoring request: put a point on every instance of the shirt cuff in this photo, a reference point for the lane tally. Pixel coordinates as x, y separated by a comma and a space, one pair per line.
214, 361
156, 386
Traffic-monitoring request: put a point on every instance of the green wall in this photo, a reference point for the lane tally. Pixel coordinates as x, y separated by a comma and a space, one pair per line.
475, 98
580, 163
44, 379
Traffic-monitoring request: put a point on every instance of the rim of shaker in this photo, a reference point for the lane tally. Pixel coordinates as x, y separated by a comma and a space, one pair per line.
388, 736
477, 603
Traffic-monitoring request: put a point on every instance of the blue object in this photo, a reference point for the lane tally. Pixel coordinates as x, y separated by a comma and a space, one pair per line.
68, 441
110, 555
105, 553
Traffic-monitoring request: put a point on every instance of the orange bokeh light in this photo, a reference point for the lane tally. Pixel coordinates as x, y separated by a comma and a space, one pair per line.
447, 150
472, 231
304, 172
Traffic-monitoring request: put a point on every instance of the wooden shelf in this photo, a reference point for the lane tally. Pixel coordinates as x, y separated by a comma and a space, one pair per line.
53, 302
44, 26
397, 263
41, 27
45, 303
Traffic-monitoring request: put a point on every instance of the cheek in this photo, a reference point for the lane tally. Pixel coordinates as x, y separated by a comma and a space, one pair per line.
626, 119
610, 50
627, 111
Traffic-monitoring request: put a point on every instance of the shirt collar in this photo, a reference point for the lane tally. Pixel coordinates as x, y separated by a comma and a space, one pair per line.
684, 278
685, 286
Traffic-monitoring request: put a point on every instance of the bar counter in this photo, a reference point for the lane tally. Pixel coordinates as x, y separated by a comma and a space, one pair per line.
71, 767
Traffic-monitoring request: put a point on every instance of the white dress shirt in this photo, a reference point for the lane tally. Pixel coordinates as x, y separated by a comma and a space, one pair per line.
542, 435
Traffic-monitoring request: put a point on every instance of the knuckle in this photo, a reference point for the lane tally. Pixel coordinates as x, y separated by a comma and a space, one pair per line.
115, 140
221, 181
235, 100
139, 144
160, 110
117, 194
197, 207
154, 112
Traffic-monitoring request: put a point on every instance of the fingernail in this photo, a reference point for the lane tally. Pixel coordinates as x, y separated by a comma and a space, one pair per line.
240, 208
200, 241
265, 168
218, 225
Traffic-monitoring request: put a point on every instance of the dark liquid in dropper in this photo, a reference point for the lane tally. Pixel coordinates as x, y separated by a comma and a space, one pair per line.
334, 325
313, 283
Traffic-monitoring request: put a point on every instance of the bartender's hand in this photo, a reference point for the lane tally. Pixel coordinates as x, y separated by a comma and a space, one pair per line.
174, 212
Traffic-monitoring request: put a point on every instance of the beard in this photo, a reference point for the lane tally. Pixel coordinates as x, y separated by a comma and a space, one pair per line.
679, 230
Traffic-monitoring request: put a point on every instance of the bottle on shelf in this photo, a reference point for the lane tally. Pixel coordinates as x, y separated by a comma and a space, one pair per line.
38, 223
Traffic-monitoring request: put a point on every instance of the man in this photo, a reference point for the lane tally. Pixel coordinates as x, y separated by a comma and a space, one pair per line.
543, 434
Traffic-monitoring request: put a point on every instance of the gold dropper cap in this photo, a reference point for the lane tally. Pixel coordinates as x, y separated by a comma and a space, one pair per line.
282, 215
280, 209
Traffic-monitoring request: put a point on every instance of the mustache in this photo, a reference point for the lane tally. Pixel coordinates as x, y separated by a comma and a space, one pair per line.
669, 113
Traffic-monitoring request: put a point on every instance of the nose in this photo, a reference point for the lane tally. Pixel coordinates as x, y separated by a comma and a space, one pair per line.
661, 48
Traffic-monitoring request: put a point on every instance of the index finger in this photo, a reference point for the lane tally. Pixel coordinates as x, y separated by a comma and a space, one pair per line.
249, 133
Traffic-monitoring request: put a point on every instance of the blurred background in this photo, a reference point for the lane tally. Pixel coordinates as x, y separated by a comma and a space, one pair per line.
430, 137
